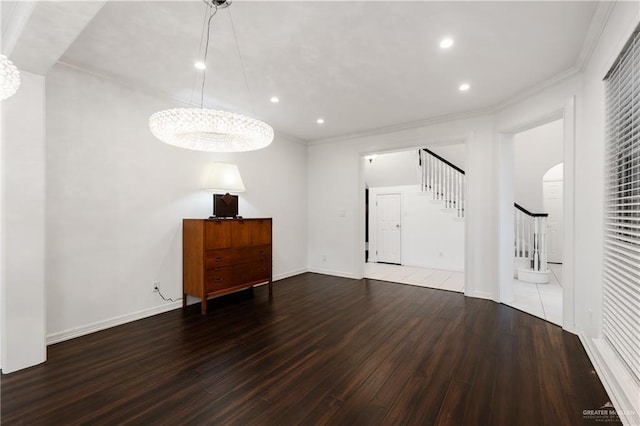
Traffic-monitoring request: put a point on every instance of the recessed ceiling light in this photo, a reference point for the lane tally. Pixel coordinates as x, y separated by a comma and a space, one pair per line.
446, 43
464, 87
320, 121
274, 100
200, 65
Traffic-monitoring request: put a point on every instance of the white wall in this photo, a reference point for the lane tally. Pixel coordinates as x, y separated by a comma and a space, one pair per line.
336, 184
430, 237
392, 169
535, 152
589, 179
453, 153
23, 168
116, 197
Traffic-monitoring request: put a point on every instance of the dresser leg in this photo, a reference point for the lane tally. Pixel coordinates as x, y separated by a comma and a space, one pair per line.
184, 300
270, 287
204, 305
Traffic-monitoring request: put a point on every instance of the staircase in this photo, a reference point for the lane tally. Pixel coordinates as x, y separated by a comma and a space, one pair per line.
446, 182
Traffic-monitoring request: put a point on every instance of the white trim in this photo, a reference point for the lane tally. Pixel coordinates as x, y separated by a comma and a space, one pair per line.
111, 322
134, 316
481, 295
596, 28
620, 386
568, 217
567, 113
523, 95
406, 126
341, 274
290, 274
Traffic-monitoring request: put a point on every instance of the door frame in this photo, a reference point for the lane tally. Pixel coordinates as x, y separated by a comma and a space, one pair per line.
505, 208
373, 218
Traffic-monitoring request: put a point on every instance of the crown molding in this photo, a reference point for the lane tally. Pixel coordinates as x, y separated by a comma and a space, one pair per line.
405, 126
596, 28
537, 88
14, 24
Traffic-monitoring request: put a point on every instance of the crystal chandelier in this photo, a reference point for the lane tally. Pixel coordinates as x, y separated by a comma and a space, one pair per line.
9, 78
202, 129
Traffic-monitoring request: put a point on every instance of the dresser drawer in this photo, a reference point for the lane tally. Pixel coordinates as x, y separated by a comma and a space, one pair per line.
261, 272
231, 256
219, 278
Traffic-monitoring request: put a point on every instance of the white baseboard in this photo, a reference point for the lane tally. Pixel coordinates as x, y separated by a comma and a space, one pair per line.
289, 274
134, 316
481, 295
623, 390
111, 322
334, 273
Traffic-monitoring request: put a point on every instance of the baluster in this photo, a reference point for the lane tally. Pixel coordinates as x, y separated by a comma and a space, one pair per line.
435, 180
459, 199
447, 192
428, 159
423, 171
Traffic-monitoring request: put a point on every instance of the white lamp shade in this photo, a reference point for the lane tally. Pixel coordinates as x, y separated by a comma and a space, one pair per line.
224, 177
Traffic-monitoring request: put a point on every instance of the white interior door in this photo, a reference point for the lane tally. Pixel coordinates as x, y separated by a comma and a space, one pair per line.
552, 200
388, 214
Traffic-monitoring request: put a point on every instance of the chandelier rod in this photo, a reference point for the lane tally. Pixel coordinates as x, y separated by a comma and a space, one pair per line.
244, 72
213, 6
199, 56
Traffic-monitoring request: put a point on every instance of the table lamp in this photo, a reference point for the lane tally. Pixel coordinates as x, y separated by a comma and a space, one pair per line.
223, 179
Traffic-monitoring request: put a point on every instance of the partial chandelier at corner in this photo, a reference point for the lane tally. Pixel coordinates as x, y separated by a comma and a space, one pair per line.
9, 78
202, 129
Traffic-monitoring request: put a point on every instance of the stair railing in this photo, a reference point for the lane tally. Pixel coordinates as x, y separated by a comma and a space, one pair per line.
531, 237
446, 182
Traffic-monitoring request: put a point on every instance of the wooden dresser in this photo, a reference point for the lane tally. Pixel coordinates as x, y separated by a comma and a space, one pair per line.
224, 255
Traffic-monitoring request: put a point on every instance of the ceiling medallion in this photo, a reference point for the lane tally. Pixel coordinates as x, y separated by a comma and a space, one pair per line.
203, 129
9, 78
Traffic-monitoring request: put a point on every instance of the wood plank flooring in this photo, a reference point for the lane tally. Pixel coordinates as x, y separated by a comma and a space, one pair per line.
322, 350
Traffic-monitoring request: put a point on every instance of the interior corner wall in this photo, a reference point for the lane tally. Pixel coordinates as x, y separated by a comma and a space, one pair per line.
116, 197
23, 169
335, 191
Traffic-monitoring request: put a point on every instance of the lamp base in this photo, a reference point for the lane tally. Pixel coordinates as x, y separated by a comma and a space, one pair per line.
225, 206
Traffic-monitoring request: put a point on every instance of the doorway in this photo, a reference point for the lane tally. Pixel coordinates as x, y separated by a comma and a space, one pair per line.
388, 223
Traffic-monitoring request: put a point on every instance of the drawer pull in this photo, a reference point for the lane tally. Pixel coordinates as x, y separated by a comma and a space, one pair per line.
217, 268
219, 259
218, 280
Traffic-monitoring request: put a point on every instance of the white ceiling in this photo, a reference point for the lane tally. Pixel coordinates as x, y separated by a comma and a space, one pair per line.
359, 65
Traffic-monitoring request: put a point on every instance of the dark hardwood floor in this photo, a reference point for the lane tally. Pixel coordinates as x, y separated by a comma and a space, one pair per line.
322, 350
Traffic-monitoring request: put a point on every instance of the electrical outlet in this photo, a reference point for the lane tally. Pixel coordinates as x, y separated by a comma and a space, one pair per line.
156, 286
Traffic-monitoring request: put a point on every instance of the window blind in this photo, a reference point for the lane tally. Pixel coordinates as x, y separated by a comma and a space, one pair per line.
621, 296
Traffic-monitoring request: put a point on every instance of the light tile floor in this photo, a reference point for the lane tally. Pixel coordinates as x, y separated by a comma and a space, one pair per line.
433, 278
541, 300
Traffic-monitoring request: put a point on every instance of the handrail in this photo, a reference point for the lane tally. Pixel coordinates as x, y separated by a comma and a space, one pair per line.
527, 212
453, 166
444, 161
